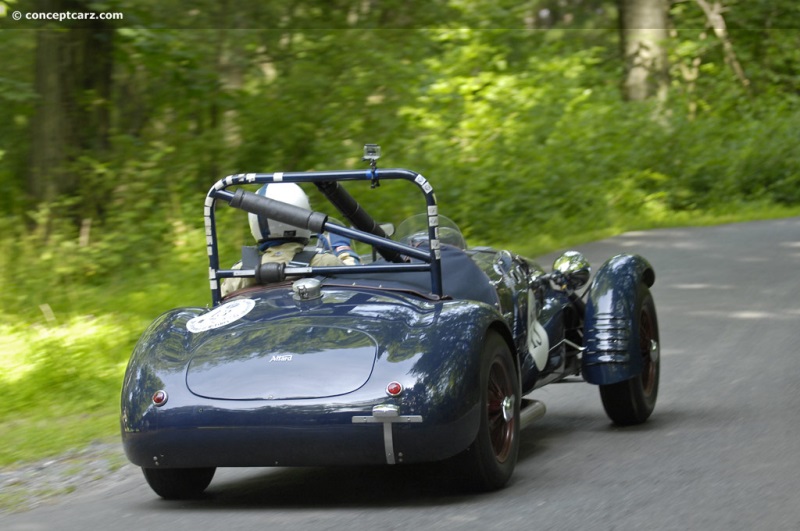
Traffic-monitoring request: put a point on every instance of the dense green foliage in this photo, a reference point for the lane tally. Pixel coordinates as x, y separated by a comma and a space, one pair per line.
512, 110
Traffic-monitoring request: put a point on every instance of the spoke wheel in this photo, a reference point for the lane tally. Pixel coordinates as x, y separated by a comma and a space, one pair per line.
632, 401
489, 461
500, 410
648, 345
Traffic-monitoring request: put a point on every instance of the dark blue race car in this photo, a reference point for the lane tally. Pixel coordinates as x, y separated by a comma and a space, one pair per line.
423, 354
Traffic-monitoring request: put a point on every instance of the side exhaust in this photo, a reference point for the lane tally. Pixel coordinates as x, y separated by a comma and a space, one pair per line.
530, 410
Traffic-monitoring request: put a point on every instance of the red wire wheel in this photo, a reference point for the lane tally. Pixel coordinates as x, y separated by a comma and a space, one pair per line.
500, 410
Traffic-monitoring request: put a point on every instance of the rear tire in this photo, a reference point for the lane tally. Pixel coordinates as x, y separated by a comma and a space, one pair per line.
632, 401
178, 483
489, 461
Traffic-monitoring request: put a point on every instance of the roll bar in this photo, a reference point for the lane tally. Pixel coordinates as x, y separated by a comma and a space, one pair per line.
277, 210
366, 230
352, 211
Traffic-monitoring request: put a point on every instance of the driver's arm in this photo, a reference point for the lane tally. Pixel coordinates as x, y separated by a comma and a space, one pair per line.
340, 247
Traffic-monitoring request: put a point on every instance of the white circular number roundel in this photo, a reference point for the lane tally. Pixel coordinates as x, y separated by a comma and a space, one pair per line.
222, 315
538, 342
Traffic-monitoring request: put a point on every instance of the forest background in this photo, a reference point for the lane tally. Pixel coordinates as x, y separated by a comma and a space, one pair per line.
540, 123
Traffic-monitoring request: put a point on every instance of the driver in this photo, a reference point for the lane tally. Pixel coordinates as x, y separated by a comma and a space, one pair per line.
279, 242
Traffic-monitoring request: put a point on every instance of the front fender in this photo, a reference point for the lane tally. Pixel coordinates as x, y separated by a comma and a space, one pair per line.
611, 335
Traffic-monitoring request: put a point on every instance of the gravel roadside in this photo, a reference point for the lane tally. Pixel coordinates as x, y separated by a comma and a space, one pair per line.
29, 485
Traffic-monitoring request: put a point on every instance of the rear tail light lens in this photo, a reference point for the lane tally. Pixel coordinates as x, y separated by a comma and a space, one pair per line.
394, 389
160, 398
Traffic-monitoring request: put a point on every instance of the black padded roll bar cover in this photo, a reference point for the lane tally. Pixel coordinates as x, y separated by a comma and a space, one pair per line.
349, 207
270, 272
279, 211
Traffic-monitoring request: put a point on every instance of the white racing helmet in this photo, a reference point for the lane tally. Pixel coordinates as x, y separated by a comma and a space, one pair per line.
264, 229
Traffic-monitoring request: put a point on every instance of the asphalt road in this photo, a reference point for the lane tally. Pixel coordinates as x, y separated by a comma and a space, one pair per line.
721, 452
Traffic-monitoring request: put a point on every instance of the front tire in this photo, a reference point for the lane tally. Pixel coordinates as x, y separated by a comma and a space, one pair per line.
178, 483
632, 401
489, 461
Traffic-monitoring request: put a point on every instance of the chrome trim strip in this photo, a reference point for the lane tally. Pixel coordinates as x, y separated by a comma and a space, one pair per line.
387, 415
388, 443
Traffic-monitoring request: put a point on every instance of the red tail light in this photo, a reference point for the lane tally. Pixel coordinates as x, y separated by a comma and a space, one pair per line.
394, 389
160, 398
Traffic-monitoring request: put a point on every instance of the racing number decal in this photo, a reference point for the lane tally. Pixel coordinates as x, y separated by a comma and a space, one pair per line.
222, 315
538, 344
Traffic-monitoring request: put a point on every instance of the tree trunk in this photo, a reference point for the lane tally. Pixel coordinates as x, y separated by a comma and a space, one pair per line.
51, 128
73, 81
643, 34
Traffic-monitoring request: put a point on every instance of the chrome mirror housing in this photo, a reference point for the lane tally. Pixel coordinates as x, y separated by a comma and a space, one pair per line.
575, 268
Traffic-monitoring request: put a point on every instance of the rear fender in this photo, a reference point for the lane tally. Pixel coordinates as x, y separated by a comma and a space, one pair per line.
158, 362
610, 334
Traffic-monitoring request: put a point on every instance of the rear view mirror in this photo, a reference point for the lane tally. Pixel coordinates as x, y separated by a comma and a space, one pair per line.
575, 268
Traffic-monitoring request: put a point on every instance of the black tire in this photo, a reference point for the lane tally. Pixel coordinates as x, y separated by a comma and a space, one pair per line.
489, 461
178, 483
632, 401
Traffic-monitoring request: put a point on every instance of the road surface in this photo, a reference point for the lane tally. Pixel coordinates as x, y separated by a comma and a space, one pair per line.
721, 452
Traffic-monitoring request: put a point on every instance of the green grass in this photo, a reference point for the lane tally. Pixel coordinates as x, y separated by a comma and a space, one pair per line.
61, 367
61, 384
52, 431
63, 356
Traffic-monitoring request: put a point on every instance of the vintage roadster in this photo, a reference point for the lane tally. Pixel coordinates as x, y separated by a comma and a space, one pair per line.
423, 354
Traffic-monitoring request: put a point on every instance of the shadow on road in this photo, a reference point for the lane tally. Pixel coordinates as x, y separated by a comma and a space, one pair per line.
346, 487
326, 488
379, 486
